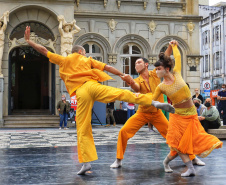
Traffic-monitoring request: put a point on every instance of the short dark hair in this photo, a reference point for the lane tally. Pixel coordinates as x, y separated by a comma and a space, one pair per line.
223, 85
76, 48
145, 60
164, 61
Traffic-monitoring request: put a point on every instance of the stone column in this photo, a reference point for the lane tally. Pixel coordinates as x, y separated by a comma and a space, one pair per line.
1, 100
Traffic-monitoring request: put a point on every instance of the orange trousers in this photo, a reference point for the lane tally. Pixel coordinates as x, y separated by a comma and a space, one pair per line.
86, 95
134, 123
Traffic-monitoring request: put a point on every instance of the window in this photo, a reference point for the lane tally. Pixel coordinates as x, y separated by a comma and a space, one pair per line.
94, 51
206, 63
217, 33
130, 53
217, 60
206, 37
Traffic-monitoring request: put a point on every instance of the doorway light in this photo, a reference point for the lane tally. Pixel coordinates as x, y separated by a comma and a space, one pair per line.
22, 68
24, 56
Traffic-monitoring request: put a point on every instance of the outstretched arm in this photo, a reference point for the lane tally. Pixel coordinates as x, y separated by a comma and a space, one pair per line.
41, 49
112, 70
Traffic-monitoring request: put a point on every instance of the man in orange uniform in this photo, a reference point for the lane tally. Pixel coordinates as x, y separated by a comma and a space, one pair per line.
81, 75
145, 83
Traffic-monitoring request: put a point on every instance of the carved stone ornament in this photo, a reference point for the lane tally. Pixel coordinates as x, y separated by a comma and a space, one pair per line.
152, 26
21, 42
193, 61
112, 24
152, 60
112, 58
190, 27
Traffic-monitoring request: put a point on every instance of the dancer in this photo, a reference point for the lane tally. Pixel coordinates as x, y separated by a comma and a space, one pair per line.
145, 83
185, 135
81, 75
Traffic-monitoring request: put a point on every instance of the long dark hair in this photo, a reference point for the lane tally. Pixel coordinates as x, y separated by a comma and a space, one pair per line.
164, 61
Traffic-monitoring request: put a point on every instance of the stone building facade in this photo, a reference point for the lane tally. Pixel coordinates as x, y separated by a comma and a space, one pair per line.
115, 32
212, 46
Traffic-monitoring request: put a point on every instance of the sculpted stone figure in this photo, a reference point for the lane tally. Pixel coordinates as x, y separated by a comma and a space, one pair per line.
67, 32
3, 24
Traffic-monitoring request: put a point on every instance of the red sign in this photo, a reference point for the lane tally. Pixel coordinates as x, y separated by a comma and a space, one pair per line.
214, 93
74, 102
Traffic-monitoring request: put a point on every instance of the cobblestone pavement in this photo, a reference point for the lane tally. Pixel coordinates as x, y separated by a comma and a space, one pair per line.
30, 138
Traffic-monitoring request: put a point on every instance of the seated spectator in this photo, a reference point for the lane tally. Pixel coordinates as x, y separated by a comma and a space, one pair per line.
199, 106
210, 118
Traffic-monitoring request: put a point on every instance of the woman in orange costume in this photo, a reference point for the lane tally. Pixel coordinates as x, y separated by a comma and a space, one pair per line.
185, 135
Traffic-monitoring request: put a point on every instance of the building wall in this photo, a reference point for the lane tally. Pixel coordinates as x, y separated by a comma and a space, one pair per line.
212, 35
169, 21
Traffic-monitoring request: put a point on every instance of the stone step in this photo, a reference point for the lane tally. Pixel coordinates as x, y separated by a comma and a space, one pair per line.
27, 118
34, 121
223, 127
219, 133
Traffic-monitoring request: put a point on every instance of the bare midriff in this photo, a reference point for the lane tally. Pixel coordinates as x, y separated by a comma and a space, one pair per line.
186, 104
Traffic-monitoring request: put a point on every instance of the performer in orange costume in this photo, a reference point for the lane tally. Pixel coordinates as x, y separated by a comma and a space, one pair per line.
185, 135
81, 75
145, 83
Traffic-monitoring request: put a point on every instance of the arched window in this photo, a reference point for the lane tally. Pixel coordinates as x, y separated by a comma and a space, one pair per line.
129, 54
94, 51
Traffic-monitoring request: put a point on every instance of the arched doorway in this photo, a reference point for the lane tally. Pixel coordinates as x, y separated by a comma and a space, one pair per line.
31, 75
30, 82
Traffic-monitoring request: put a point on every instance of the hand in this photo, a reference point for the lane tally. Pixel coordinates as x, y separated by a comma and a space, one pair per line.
173, 43
60, 17
136, 94
201, 118
27, 33
127, 78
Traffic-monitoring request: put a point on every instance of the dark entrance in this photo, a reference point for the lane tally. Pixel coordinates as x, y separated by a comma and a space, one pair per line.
29, 87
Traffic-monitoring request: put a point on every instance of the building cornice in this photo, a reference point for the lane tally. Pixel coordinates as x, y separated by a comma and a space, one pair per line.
113, 15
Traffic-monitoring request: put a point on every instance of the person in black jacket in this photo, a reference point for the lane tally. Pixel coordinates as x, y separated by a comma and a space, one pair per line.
63, 107
197, 95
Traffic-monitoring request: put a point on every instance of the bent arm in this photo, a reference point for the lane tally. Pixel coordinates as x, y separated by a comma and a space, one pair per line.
213, 117
60, 28
177, 57
4, 23
169, 50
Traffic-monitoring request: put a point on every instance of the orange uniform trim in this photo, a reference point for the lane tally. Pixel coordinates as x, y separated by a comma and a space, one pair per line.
76, 69
154, 81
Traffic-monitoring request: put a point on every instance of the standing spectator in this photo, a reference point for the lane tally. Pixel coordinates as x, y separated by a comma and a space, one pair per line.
109, 113
197, 95
130, 110
199, 106
63, 107
123, 105
210, 118
222, 103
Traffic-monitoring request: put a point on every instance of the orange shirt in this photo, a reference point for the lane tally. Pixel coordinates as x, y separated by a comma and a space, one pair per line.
76, 69
154, 81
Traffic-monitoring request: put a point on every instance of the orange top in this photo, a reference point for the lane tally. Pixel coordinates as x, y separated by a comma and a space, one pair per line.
76, 69
154, 81
178, 92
